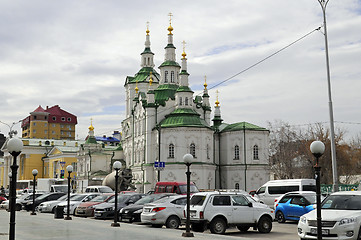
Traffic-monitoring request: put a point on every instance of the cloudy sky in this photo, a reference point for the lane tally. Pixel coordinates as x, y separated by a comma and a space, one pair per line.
77, 54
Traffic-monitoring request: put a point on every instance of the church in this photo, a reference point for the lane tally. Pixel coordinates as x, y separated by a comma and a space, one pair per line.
165, 120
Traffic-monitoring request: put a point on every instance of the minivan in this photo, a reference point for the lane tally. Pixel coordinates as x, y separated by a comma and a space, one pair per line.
271, 190
174, 187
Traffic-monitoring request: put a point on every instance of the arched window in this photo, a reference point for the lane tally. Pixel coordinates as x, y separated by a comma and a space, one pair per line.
171, 150
166, 76
236, 152
255, 152
236, 186
192, 149
186, 101
172, 76
180, 101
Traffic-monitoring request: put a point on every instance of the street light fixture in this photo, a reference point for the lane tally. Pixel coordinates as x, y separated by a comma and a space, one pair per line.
117, 166
69, 168
14, 146
317, 149
34, 172
188, 159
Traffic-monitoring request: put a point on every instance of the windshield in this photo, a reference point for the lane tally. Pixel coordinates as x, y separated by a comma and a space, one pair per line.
149, 199
121, 198
77, 197
343, 202
60, 188
183, 189
105, 190
100, 198
65, 197
42, 196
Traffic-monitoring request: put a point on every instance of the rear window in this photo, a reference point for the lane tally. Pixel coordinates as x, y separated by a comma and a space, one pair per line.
221, 201
197, 200
285, 199
309, 188
282, 189
183, 189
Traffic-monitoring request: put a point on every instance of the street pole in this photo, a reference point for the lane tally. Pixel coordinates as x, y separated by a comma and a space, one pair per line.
188, 161
323, 4
116, 165
69, 168
34, 172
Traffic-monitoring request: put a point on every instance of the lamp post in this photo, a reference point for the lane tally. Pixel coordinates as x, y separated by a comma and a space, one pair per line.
323, 4
34, 172
14, 146
318, 148
116, 165
69, 168
188, 159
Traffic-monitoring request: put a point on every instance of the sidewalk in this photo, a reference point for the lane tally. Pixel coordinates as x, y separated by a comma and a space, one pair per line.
44, 226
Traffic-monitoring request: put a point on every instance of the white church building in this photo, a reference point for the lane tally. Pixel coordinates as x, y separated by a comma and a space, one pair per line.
164, 121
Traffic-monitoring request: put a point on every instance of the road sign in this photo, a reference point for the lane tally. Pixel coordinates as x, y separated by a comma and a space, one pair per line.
159, 165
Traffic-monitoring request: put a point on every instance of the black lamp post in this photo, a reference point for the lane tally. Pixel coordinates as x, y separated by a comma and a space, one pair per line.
116, 165
69, 168
318, 148
14, 146
188, 158
34, 172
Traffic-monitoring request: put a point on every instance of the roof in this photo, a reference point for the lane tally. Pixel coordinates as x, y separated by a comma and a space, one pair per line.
56, 115
107, 139
169, 63
183, 117
143, 75
240, 126
165, 92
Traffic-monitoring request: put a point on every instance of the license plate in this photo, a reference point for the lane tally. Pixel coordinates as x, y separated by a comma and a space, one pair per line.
81, 211
324, 231
192, 214
97, 214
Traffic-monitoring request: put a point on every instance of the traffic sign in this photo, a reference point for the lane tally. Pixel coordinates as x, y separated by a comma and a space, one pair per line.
159, 165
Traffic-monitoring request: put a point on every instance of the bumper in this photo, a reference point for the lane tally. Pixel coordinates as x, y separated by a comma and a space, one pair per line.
152, 219
130, 216
347, 232
103, 215
86, 212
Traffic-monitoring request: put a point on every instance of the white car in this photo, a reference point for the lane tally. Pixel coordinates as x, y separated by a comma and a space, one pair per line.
219, 210
341, 218
166, 211
49, 206
75, 201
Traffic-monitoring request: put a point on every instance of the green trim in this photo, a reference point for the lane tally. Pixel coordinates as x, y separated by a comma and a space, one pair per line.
169, 63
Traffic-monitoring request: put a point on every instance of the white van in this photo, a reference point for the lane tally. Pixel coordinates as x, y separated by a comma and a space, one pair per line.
98, 189
275, 188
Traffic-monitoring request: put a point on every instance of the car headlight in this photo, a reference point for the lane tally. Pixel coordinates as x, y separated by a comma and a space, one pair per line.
90, 207
303, 219
109, 209
139, 211
347, 221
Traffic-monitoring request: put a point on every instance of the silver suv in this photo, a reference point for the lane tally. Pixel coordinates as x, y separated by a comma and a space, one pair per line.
220, 210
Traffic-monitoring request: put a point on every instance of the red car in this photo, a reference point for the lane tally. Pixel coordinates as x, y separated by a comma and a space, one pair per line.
86, 209
2, 199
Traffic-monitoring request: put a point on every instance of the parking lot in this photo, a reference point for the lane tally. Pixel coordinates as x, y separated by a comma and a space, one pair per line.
44, 226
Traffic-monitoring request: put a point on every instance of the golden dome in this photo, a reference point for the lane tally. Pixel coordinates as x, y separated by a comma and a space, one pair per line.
170, 29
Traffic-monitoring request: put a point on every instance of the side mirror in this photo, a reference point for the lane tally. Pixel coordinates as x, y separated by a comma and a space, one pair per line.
250, 204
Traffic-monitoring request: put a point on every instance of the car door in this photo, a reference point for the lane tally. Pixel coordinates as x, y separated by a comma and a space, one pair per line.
179, 205
242, 210
221, 204
298, 206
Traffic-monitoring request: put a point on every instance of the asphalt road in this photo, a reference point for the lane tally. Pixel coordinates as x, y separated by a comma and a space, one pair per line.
43, 227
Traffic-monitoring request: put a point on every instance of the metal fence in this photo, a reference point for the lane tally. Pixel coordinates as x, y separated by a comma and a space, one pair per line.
327, 188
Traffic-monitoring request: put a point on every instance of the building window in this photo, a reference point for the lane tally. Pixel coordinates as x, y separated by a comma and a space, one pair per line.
61, 126
46, 131
172, 76
255, 152
45, 124
53, 132
236, 152
53, 125
34, 124
62, 132
208, 152
69, 119
34, 117
192, 149
180, 101
186, 101
63, 119
166, 76
54, 118
34, 131
236, 186
46, 117
171, 150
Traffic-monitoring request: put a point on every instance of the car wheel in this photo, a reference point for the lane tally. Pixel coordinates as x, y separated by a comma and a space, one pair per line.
280, 217
218, 226
197, 227
172, 222
359, 234
243, 228
264, 225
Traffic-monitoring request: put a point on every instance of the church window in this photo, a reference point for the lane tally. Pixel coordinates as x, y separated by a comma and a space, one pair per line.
166, 76
208, 152
171, 150
236, 186
180, 101
172, 76
255, 152
236, 152
186, 101
192, 149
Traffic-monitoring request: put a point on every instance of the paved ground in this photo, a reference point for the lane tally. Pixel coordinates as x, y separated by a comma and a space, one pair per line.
44, 226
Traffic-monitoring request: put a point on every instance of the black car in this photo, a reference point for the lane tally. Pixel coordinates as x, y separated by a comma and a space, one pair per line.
132, 212
28, 205
106, 210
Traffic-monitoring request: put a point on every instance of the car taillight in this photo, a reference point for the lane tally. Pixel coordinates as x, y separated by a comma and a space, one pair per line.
277, 205
184, 213
157, 209
201, 216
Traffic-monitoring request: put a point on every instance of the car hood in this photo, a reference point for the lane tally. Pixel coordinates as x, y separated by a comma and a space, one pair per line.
87, 204
332, 214
65, 203
259, 205
105, 205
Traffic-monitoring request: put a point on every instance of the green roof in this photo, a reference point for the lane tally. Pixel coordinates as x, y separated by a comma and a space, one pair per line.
184, 89
147, 50
241, 126
143, 75
91, 140
165, 92
169, 63
183, 117
170, 45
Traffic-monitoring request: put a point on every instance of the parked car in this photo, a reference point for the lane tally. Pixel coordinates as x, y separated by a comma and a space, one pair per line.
28, 205
166, 211
86, 209
106, 210
19, 201
219, 210
2, 198
293, 205
174, 187
76, 200
49, 206
131, 213
99, 189
341, 218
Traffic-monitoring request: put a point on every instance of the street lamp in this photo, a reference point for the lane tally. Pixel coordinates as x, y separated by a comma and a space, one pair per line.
69, 168
34, 172
323, 4
317, 149
116, 165
14, 146
188, 159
